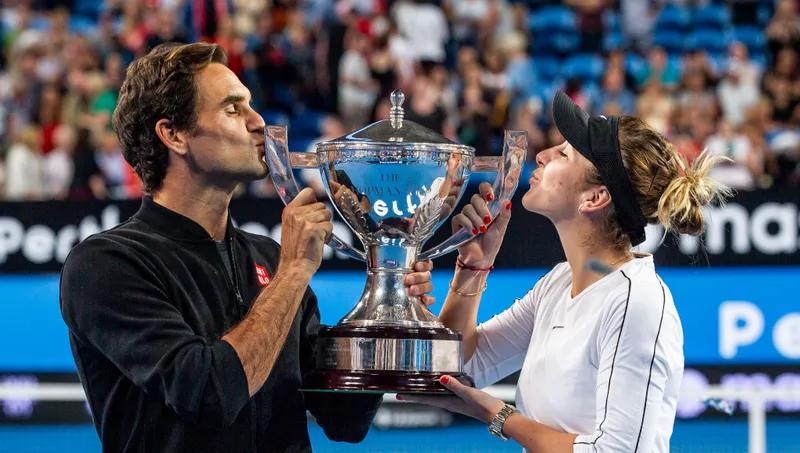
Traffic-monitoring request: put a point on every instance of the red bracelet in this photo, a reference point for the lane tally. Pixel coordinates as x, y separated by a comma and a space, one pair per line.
463, 265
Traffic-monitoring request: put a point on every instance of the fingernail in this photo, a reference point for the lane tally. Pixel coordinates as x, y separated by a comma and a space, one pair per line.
483, 228
444, 380
399, 397
413, 288
489, 197
475, 231
487, 219
508, 205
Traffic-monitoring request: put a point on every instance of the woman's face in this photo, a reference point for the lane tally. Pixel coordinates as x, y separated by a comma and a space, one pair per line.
558, 185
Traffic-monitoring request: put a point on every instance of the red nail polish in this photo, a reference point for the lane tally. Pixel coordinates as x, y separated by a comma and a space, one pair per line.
444, 380
508, 205
475, 231
487, 219
489, 197
483, 229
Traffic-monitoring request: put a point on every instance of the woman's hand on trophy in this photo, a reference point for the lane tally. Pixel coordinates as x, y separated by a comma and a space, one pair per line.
419, 282
339, 191
465, 400
475, 217
450, 191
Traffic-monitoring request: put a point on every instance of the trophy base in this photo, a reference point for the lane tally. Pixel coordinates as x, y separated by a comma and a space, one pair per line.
340, 381
386, 359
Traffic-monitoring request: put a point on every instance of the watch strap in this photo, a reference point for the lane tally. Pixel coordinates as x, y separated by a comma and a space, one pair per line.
496, 427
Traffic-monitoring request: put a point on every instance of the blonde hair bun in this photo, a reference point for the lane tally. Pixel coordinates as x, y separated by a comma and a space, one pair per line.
680, 207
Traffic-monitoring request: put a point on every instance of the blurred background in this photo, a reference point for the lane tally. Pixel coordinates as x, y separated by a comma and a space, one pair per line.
716, 74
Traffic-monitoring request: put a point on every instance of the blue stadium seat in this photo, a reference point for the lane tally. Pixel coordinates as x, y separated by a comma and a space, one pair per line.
613, 40
612, 22
752, 37
718, 62
552, 18
586, 67
673, 18
308, 123
761, 59
592, 88
547, 91
671, 41
677, 61
711, 16
82, 25
763, 15
547, 67
711, 41
275, 118
88, 8
635, 65
283, 96
299, 142
555, 43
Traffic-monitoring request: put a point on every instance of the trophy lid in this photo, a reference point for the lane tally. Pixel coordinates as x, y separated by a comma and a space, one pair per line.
396, 132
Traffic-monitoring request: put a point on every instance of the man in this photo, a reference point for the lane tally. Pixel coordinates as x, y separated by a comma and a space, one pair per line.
189, 334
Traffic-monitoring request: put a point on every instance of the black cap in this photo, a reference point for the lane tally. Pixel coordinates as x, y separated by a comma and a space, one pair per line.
596, 138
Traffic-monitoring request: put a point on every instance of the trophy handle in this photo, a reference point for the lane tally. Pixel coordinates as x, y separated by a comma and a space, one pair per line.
280, 162
508, 168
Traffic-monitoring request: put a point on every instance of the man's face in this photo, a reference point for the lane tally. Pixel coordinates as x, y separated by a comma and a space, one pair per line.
227, 146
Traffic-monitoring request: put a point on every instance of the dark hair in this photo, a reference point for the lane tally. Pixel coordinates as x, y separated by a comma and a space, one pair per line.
669, 191
159, 85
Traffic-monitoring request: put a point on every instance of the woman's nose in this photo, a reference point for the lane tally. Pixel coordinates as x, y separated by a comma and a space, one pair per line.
543, 157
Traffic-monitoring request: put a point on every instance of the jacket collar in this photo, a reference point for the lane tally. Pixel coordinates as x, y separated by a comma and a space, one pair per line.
174, 225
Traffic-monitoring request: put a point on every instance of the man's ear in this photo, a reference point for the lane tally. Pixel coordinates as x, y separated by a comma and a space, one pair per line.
174, 139
595, 200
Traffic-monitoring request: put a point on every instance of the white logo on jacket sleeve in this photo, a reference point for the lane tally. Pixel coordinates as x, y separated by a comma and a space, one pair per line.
263, 276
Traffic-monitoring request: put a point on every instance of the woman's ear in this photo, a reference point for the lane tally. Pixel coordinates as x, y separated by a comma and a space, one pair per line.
595, 200
174, 139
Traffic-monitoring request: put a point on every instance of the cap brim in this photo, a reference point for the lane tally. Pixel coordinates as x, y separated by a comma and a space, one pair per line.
573, 123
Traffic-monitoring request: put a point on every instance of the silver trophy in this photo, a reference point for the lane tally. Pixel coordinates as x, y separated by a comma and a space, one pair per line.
394, 183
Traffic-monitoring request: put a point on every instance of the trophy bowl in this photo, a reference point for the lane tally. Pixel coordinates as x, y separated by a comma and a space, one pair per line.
394, 183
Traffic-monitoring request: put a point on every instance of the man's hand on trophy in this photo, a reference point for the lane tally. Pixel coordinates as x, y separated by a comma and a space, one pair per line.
475, 217
306, 226
419, 282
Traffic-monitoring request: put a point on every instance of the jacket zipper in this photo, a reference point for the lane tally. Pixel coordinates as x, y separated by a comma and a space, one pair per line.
242, 312
233, 286
236, 283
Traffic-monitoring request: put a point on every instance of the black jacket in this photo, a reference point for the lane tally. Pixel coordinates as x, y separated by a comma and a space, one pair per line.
146, 304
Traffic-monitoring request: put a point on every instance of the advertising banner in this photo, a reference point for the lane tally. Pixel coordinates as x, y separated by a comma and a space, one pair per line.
690, 406
753, 229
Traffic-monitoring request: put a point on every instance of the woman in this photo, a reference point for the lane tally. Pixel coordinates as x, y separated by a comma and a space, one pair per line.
598, 339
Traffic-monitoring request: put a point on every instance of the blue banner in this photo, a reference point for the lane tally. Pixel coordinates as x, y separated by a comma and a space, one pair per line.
736, 316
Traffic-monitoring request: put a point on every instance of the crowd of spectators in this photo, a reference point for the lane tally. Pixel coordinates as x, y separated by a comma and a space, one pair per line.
722, 75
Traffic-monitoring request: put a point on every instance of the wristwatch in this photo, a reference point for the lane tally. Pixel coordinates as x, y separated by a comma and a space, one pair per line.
496, 427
